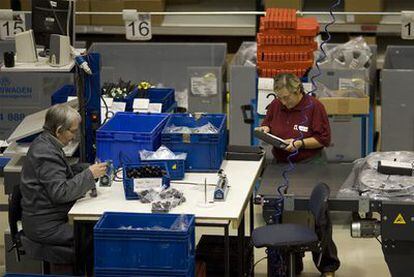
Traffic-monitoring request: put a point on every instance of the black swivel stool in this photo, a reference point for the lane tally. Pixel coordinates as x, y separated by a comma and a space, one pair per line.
295, 238
48, 254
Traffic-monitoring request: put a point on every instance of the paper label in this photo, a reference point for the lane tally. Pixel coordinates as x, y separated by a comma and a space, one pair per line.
141, 104
155, 108
146, 183
108, 101
139, 29
353, 84
204, 86
118, 106
407, 24
11, 27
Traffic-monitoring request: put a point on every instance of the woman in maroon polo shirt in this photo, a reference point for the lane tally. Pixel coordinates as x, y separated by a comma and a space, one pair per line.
285, 118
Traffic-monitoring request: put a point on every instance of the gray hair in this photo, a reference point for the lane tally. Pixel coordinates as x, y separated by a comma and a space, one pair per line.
289, 81
60, 118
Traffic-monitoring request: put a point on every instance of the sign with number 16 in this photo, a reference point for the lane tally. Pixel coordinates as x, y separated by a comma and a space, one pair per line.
139, 29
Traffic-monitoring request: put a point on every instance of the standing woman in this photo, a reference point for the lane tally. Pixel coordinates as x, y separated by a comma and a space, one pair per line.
285, 118
291, 114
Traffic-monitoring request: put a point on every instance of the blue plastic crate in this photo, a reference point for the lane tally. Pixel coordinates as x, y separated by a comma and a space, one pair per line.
205, 152
62, 94
176, 168
134, 251
129, 183
121, 138
165, 96
146, 273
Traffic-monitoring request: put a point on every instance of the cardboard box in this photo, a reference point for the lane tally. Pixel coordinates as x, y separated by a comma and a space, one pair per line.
83, 6
5, 4
26, 5
293, 4
345, 105
364, 6
119, 5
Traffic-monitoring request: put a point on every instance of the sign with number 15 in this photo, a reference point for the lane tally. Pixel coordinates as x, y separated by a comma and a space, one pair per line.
11, 27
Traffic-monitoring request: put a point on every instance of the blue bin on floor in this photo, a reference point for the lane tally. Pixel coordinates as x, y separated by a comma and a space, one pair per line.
140, 250
165, 96
129, 183
125, 134
62, 94
205, 152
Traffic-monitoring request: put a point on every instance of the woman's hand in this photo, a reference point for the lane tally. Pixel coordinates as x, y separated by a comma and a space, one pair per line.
264, 129
293, 145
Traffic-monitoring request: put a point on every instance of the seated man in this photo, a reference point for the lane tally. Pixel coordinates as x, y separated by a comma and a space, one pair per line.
48, 184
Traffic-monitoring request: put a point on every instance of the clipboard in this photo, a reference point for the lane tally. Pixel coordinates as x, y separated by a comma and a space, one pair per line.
271, 139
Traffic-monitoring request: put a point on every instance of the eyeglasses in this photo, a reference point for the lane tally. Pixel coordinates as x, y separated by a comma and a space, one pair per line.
73, 131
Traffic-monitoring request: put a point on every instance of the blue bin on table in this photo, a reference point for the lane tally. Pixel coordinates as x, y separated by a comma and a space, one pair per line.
165, 96
176, 167
125, 134
62, 94
205, 152
140, 250
129, 183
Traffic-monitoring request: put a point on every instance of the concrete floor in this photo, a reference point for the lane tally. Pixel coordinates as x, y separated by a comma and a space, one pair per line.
359, 257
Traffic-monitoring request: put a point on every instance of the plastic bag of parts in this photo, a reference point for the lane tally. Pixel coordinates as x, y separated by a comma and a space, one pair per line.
364, 179
324, 91
162, 153
248, 54
162, 201
180, 224
355, 54
205, 129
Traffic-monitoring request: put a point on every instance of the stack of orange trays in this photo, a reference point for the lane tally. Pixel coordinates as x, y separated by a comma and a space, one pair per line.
285, 43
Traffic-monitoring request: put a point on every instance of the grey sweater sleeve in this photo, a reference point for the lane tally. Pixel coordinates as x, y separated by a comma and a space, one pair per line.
52, 174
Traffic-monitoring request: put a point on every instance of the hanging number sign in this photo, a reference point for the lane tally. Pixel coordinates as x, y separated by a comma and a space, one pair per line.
11, 27
139, 29
407, 24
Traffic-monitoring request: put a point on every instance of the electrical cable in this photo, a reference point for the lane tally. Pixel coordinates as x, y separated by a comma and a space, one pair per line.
282, 189
56, 18
68, 20
261, 259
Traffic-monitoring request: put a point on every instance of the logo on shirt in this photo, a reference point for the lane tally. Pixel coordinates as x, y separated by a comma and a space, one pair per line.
301, 128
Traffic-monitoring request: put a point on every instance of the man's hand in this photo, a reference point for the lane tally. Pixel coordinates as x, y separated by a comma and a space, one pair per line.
98, 170
293, 145
263, 129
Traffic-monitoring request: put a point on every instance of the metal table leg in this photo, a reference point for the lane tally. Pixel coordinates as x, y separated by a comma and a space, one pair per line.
84, 254
240, 238
226, 251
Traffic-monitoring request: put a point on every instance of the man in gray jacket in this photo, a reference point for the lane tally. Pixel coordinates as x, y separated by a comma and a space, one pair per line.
49, 185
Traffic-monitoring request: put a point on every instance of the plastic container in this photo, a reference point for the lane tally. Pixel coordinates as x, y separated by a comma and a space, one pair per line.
204, 151
129, 183
125, 134
143, 252
176, 167
62, 94
165, 96
144, 273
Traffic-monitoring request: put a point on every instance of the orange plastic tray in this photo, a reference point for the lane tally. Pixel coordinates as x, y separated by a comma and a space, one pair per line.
270, 73
285, 65
265, 39
280, 18
307, 27
284, 56
288, 48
